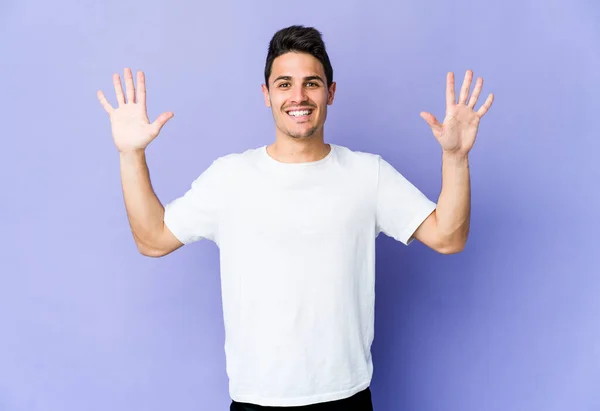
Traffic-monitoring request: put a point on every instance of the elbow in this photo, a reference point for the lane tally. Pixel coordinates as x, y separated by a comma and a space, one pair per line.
152, 253
450, 250
148, 251
145, 249
452, 247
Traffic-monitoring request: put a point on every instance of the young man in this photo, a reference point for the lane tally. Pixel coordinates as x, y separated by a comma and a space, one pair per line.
296, 222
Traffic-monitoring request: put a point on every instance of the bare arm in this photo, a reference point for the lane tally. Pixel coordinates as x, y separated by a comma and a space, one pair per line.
132, 132
144, 210
446, 230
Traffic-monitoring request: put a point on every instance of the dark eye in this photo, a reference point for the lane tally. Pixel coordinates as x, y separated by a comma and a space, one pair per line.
283, 85
312, 84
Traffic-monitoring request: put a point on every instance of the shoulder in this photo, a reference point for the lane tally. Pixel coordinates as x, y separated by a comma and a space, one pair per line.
236, 158
356, 157
236, 161
225, 168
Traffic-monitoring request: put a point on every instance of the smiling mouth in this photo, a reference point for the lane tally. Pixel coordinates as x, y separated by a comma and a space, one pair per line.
302, 114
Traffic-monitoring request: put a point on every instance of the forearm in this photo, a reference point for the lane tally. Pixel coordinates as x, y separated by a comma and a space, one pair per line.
453, 211
144, 210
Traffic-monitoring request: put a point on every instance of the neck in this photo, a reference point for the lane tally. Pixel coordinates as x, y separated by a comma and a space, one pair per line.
290, 150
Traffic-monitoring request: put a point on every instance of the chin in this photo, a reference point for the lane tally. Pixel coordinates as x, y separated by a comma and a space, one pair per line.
302, 136
298, 133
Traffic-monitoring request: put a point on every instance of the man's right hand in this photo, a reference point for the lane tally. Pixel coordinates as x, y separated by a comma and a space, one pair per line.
131, 129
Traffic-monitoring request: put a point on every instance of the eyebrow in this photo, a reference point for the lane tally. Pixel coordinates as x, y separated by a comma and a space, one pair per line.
288, 78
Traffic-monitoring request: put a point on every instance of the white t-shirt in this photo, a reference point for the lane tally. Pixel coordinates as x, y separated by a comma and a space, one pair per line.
297, 255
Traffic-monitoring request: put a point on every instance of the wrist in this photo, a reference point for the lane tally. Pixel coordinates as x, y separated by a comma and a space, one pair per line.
455, 158
132, 152
129, 155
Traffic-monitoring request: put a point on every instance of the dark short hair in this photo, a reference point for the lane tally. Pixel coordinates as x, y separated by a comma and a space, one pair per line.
298, 39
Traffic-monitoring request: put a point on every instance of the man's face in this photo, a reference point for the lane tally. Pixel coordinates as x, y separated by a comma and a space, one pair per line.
298, 95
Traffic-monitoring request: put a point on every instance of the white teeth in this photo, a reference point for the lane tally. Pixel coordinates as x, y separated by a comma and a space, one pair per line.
299, 113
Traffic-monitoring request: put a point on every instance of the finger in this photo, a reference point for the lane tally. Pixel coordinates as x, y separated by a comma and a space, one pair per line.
486, 106
430, 119
118, 89
141, 92
466, 86
109, 109
476, 92
450, 95
129, 86
162, 120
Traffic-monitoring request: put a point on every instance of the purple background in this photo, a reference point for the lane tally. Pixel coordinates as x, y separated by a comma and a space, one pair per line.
512, 323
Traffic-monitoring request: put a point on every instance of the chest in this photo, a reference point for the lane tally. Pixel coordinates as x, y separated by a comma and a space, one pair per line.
309, 209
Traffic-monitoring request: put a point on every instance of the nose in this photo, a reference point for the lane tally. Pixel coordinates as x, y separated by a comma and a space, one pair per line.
298, 94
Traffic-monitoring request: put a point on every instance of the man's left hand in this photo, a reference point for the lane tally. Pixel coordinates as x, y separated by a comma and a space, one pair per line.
457, 133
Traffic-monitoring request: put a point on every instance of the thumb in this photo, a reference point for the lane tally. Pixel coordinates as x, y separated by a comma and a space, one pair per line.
162, 120
430, 119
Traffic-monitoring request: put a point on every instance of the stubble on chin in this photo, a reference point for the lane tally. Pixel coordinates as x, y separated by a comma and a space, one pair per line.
299, 135
306, 135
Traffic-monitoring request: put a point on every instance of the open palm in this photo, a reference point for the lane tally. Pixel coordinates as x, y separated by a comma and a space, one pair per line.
458, 131
131, 128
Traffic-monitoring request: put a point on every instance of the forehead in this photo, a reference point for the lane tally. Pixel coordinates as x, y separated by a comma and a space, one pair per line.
295, 64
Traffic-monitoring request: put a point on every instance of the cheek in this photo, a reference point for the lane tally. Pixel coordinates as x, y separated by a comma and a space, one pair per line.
321, 100
277, 103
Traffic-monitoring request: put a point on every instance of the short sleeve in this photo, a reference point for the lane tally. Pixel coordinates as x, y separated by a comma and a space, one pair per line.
194, 215
401, 207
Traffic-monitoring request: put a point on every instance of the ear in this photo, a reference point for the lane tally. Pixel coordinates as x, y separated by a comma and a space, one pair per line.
265, 91
331, 93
